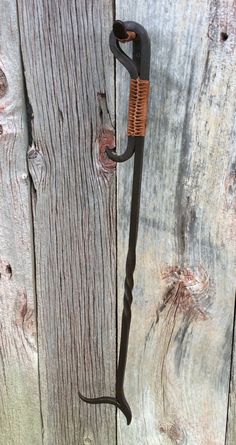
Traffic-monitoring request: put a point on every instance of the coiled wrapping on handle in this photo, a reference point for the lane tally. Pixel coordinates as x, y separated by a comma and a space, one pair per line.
138, 107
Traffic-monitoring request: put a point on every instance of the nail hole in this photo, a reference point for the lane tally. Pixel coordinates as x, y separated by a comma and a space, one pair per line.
1, 129
9, 269
223, 36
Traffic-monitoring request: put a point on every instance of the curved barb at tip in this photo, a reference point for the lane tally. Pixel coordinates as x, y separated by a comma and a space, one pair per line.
121, 404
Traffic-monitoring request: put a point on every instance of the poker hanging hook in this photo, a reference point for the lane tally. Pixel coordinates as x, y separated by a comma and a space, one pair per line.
138, 68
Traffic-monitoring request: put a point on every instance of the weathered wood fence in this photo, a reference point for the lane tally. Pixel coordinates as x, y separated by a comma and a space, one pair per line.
64, 218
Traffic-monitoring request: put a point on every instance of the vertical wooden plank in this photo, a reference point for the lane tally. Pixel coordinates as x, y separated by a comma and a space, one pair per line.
19, 392
180, 352
70, 84
231, 421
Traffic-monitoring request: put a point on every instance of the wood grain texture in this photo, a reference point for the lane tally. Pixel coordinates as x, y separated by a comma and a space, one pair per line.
231, 421
70, 83
179, 358
20, 422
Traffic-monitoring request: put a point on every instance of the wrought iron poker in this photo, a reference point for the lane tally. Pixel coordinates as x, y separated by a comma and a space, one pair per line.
138, 68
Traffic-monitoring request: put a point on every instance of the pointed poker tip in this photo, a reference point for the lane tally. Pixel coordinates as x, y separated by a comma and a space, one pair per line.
129, 419
124, 407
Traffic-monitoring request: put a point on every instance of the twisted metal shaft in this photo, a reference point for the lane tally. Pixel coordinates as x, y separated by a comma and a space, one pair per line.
120, 401
129, 280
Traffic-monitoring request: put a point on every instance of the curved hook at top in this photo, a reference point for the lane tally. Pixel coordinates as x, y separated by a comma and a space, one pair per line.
124, 32
138, 66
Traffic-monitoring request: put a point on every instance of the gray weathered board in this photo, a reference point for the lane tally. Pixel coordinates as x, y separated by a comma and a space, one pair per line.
70, 88
60, 100
20, 421
181, 336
